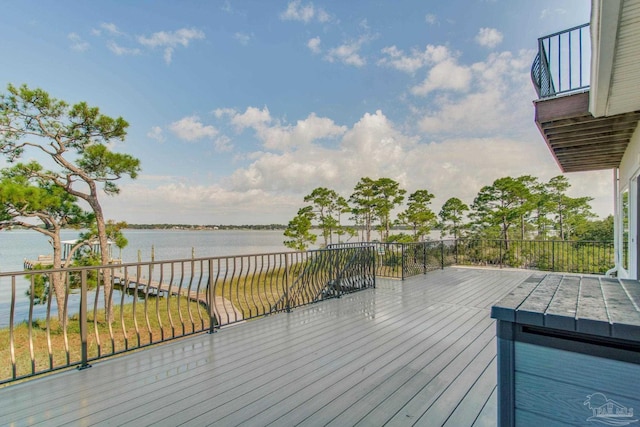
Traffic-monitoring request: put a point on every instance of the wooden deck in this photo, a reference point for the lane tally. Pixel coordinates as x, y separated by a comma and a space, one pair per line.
418, 352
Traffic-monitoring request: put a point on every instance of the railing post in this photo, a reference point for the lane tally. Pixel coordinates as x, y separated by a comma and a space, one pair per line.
212, 315
455, 242
501, 241
442, 254
402, 259
286, 283
373, 264
553, 255
335, 259
424, 257
84, 350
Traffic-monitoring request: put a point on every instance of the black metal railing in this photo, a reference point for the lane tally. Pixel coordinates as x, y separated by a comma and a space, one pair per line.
545, 255
402, 260
562, 64
153, 302
326, 274
149, 303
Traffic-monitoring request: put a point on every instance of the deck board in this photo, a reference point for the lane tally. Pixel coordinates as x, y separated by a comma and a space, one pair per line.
415, 351
487, 416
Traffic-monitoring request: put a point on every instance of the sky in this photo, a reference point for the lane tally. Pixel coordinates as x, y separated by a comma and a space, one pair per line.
238, 109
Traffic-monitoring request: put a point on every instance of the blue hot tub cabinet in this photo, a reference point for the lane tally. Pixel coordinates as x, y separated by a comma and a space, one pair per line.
569, 351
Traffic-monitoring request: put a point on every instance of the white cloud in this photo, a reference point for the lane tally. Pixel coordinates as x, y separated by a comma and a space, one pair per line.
546, 13
108, 28
169, 40
489, 37
156, 133
111, 28
445, 75
487, 107
376, 147
304, 132
275, 181
183, 202
252, 117
221, 112
120, 50
77, 43
277, 136
191, 129
322, 16
412, 62
296, 11
371, 146
348, 53
243, 38
166, 40
314, 45
223, 143
431, 19
396, 58
226, 7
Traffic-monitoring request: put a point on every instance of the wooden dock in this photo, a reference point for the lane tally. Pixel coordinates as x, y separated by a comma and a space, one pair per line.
224, 309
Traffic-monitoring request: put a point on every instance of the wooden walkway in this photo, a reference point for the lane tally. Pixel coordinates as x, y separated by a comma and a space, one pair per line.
224, 309
418, 352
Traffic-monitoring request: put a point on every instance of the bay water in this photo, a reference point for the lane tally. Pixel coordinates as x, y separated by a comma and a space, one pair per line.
18, 245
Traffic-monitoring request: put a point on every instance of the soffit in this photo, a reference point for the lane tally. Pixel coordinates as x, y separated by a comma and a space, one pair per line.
622, 91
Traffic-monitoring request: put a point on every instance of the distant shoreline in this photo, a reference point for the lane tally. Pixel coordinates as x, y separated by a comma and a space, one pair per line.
205, 227
189, 227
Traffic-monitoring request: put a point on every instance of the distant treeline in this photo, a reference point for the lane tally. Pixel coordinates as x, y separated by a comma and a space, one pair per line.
206, 227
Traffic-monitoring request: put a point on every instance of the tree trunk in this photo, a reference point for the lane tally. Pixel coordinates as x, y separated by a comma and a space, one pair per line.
58, 279
104, 255
367, 227
387, 229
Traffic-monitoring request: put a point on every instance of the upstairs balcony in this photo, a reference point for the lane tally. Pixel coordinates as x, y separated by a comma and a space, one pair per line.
561, 75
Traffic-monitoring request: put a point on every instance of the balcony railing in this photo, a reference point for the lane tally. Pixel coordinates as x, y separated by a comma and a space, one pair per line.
402, 260
153, 302
582, 257
149, 303
562, 64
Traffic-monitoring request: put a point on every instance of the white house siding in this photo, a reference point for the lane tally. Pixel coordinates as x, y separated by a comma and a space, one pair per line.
629, 174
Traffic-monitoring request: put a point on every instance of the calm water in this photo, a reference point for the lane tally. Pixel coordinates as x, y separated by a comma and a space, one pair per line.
16, 245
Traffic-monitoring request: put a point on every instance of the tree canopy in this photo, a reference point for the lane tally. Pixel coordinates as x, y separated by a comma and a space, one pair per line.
299, 230
29, 201
452, 216
510, 208
77, 139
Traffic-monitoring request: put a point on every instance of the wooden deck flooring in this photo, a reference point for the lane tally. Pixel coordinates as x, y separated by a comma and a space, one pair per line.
418, 352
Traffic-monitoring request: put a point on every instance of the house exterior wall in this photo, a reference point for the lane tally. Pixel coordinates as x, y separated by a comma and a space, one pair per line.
629, 174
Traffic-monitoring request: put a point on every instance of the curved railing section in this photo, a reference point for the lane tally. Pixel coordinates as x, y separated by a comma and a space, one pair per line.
153, 302
328, 273
562, 64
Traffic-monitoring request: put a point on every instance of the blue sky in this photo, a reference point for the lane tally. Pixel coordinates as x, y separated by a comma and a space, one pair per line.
238, 109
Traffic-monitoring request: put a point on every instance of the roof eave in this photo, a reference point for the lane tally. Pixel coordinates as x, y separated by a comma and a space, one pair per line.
605, 18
